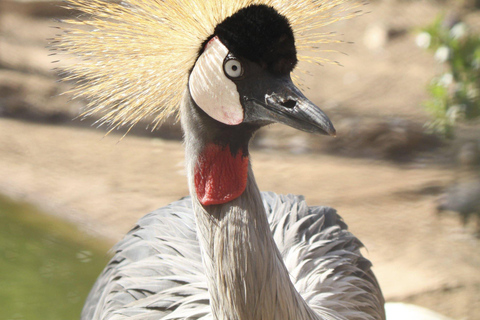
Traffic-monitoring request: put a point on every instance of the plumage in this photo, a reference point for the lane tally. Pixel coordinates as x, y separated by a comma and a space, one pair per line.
228, 251
321, 255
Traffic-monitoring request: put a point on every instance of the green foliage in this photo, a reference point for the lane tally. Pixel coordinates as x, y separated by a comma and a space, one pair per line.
455, 94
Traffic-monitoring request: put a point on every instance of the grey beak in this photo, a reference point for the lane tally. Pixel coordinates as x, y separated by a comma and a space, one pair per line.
279, 100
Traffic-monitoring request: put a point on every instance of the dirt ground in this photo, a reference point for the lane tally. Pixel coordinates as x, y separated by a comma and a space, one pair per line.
105, 184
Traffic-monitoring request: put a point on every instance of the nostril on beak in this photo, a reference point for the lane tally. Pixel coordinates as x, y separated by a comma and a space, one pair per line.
289, 103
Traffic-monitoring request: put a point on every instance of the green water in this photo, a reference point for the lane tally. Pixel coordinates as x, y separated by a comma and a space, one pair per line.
47, 266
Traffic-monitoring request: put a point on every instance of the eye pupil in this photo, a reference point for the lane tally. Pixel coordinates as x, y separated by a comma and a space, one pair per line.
233, 68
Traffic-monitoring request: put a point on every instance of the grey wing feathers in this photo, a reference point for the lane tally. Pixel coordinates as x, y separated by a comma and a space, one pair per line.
157, 272
324, 259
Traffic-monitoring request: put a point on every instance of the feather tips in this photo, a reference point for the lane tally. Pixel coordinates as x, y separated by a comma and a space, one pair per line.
322, 258
131, 59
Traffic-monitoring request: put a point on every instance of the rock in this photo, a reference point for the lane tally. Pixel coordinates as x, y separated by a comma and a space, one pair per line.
463, 198
469, 155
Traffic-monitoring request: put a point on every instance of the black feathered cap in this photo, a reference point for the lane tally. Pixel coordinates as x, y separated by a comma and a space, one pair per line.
260, 34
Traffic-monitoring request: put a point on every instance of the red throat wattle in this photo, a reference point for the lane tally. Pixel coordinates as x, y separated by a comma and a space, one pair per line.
220, 176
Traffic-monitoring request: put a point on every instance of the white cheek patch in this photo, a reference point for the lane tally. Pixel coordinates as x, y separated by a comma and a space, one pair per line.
211, 89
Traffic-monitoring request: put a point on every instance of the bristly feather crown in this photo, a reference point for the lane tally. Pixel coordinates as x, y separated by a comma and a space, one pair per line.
131, 58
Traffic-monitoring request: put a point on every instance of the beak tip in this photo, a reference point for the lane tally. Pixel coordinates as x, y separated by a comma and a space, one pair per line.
331, 131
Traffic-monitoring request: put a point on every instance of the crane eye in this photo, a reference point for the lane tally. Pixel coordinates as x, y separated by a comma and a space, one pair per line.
233, 68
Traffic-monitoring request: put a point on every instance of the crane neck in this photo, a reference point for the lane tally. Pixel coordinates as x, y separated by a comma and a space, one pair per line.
247, 278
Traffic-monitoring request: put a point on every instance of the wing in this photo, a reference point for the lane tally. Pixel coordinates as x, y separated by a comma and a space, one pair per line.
324, 259
157, 271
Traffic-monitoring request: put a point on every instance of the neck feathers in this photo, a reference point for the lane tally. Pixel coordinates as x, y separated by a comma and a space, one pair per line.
247, 278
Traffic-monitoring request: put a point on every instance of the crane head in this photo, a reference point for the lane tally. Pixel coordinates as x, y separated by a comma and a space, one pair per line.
242, 74
132, 59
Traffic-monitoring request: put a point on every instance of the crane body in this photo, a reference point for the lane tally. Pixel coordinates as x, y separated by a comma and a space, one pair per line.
227, 251
173, 282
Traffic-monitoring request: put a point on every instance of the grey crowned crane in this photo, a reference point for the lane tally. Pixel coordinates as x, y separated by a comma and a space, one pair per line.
228, 251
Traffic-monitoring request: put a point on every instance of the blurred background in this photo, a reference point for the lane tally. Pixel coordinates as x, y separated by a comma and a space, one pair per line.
403, 171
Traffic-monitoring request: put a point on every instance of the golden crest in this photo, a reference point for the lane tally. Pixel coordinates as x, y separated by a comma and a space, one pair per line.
131, 58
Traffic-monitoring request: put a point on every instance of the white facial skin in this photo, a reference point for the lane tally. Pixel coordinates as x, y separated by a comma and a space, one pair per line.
211, 89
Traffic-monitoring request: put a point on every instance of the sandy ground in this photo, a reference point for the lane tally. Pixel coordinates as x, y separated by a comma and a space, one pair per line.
104, 184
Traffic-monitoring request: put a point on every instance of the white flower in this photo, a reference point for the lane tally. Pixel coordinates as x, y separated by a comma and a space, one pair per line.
458, 31
446, 79
442, 54
423, 40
